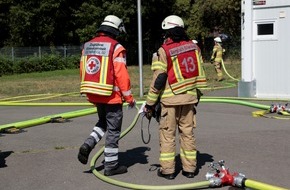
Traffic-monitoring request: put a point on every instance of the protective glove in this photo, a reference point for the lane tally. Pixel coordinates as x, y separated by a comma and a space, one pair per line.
211, 61
148, 110
132, 104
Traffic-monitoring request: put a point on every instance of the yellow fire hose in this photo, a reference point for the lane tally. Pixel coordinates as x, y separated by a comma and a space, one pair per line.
197, 185
223, 65
261, 186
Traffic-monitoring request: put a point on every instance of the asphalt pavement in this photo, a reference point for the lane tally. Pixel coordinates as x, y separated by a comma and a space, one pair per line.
44, 157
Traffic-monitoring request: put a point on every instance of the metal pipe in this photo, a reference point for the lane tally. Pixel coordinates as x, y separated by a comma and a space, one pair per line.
140, 48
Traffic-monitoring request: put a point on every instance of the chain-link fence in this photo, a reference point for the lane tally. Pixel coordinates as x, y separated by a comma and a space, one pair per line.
21, 52
233, 51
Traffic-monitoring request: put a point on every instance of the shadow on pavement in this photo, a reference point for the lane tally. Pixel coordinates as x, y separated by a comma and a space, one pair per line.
3, 156
129, 158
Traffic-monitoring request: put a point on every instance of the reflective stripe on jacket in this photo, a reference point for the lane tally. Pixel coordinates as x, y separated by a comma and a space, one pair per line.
121, 86
183, 66
159, 66
97, 66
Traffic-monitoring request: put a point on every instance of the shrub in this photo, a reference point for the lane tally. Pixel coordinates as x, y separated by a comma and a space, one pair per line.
27, 65
72, 62
6, 66
48, 62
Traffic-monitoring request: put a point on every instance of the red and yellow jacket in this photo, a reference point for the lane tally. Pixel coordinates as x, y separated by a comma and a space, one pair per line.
103, 71
183, 66
182, 62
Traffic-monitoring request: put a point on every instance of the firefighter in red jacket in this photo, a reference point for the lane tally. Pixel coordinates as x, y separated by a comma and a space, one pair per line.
177, 76
106, 83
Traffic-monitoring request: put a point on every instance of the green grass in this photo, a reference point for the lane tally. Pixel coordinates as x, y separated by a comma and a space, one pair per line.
66, 82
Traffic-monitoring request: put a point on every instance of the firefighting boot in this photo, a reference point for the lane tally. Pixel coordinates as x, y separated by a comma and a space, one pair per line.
84, 153
166, 176
118, 170
188, 174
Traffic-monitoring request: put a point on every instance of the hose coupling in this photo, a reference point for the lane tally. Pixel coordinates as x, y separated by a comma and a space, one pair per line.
215, 182
209, 175
239, 180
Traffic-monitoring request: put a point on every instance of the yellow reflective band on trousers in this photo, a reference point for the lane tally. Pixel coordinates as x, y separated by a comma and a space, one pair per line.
167, 156
190, 155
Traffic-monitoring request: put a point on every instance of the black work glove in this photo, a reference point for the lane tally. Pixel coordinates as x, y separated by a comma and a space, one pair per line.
149, 111
211, 61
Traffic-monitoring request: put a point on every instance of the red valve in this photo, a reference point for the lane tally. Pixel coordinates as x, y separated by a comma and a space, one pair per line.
222, 176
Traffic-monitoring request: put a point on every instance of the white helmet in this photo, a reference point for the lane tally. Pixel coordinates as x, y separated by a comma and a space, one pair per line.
171, 22
115, 22
218, 39
195, 41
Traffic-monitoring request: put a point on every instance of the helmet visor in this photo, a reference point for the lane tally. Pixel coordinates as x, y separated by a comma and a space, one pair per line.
122, 27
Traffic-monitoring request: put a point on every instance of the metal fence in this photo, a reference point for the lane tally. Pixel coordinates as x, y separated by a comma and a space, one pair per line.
233, 51
21, 52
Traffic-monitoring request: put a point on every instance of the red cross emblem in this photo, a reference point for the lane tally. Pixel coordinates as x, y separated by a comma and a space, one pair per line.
92, 65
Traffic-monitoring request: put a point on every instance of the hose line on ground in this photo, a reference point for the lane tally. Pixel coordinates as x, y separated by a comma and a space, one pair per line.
45, 104
46, 119
223, 65
78, 113
258, 185
196, 185
42, 97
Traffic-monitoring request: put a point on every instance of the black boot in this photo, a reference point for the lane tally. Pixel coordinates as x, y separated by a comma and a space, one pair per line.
84, 153
166, 176
117, 170
188, 174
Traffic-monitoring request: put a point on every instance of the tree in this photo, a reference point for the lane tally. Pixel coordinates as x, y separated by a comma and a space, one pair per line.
209, 19
60, 22
4, 22
207, 15
44, 22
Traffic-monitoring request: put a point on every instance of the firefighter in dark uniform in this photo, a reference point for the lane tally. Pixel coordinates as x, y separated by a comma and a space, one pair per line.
177, 76
105, 81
